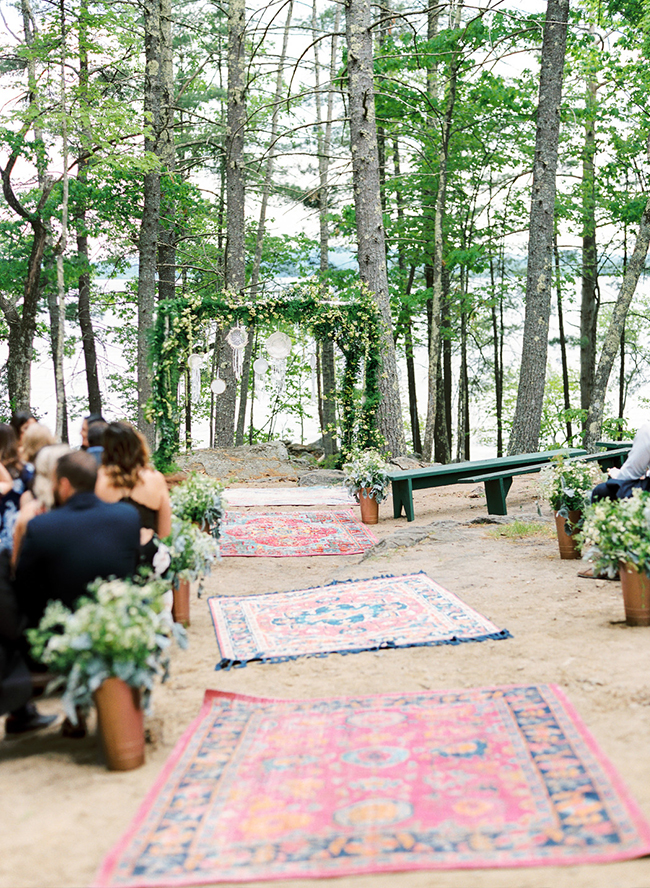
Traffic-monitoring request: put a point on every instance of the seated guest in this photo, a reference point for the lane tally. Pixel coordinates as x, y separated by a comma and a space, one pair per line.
632, 474
95, 439
126, 476
36, 437
85, 425
14, 480
20, 422
77, 542
41, 497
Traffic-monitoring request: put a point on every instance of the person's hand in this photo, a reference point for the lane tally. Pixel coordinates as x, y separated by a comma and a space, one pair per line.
613, 472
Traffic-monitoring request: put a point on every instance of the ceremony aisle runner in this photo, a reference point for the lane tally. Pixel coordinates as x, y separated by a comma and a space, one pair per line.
347, 617
284, 534
287, 496
272, 789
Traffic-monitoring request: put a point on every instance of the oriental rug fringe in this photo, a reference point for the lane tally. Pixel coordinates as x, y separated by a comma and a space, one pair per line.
277, 789
346, 617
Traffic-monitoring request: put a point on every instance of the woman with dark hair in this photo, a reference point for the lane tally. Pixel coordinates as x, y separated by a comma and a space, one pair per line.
14, 481
19, 422
126, 476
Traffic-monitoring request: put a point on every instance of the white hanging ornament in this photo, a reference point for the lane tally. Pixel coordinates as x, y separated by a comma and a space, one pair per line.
218, 386
195, 362
260, 366
237, 339
278, 345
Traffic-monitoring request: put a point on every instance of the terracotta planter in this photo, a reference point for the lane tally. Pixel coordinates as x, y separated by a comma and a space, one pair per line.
636, 595
369, 508
121, 724
181, 605
567, 544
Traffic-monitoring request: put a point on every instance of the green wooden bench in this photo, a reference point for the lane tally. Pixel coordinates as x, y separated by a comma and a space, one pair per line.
405, 482
497, 484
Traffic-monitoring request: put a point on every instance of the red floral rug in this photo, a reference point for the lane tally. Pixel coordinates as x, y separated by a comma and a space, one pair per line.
277, 789
284, 534
347, 617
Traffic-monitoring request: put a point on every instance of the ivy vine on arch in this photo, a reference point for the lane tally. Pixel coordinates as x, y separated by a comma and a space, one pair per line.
352, 323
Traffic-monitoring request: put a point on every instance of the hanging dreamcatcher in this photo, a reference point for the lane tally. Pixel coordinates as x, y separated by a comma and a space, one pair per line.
237, 339
278, 345
195, 362
218, 386
260, 366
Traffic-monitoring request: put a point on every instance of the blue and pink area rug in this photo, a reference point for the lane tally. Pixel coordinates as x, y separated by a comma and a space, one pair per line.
347, 617
287, 534
275, 789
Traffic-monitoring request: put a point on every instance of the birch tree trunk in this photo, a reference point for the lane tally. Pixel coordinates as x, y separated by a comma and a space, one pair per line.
526, 426
235, 270
367, 202
615, 330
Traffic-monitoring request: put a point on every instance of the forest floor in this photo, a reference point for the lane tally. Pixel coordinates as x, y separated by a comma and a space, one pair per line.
62, 810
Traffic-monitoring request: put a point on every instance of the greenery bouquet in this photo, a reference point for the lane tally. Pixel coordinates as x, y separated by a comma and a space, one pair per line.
618, 531
367, 472
199, 500
567, 486
192, 552
124, 631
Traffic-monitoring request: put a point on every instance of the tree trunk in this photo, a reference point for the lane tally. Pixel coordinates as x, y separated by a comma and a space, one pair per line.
616, 325
149, 225
530, 395
165, 149
589, 296
370, 226
84, 312
327, 403
261, 226
560, 320
235, 219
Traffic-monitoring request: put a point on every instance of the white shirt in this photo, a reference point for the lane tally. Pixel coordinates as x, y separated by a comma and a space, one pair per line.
638, 461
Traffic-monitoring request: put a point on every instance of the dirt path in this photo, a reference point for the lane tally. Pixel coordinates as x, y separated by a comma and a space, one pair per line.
62, 811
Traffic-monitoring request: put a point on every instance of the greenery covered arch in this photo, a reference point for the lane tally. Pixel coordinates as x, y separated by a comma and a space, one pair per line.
352, 322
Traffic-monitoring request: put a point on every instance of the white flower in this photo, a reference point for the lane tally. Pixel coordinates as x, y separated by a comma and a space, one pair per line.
161, 560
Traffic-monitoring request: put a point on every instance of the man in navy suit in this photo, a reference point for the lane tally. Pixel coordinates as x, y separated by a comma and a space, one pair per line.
63, 550
82, 539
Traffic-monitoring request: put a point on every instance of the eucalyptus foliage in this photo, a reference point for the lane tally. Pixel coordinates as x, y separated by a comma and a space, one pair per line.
124, 631
618, 532
192, 551
199, 500
367, 473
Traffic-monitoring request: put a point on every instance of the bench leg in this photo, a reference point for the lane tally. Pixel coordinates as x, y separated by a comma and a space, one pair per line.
403, 496
496, 491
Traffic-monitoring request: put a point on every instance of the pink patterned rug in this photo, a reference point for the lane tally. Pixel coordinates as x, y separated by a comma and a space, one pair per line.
347, 617
277, 789
283, 534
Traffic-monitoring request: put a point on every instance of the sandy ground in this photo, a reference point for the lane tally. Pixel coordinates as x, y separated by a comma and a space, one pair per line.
62, 810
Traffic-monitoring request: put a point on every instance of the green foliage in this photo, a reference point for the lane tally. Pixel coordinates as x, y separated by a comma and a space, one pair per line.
618, 532
198, 499
123, 631
192, 551
366, 473
567, 484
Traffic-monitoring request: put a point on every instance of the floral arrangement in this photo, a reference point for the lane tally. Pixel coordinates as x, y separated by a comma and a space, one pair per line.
367, 471
618, 531
192, 552
199, 500
567, 485
124, 631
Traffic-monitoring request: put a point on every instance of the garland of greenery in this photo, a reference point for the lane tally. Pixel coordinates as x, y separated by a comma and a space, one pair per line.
354, 325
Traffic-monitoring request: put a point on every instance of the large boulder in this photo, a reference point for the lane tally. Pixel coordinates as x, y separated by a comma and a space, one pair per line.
321, 478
